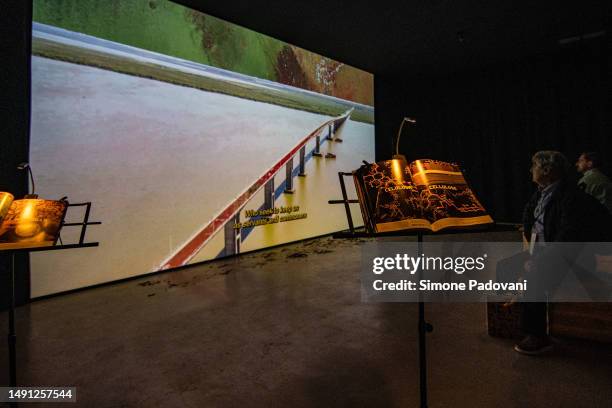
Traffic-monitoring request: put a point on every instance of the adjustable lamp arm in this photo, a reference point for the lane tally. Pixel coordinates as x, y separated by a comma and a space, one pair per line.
399, 133
26, 165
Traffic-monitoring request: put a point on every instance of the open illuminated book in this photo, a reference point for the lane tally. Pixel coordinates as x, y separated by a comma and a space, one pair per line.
29, 222
425, 194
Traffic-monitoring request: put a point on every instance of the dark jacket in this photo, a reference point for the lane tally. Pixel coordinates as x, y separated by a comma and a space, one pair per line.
571, 215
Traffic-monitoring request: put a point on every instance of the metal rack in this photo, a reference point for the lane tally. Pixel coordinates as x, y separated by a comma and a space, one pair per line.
12, 335
424, 327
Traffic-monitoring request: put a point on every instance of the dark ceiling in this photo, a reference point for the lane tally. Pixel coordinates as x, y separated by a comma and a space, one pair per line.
413, 38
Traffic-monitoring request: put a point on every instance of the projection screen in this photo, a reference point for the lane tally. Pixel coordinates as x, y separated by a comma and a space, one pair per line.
193, 138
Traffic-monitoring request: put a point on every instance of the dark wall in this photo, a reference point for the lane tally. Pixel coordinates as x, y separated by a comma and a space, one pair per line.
15, 29
493, 119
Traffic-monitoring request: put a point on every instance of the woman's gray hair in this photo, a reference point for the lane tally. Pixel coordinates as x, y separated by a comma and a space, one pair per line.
552, 163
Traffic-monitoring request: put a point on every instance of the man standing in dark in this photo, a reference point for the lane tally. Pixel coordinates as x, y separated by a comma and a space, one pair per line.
593, 181
557, 212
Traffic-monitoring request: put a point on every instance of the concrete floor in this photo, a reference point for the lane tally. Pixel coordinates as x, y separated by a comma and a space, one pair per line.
285, 327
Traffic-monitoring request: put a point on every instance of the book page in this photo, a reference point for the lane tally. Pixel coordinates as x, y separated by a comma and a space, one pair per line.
6, 199
446, 198
32, 223
389, 198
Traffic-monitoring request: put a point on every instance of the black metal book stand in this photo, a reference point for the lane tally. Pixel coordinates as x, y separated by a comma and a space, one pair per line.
12, 336
424, 327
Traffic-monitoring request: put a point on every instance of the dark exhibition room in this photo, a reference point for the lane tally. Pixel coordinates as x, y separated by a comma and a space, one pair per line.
305, 204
